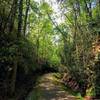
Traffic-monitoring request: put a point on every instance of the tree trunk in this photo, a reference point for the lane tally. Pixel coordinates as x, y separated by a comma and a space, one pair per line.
13, 81
26, 15
20, 17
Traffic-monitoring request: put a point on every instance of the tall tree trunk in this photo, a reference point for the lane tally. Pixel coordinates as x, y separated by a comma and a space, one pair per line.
20, 11
13, 84
88, 9
26, 15
20, 17
13, 15
9, 23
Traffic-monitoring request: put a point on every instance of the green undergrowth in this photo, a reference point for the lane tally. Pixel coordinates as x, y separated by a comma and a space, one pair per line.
91, 91
57, 78
70, 91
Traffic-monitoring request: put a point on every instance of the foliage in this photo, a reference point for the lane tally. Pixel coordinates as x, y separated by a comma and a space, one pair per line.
31, 40
77, 52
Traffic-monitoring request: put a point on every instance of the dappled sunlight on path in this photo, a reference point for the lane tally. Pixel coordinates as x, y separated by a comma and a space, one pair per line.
48, 90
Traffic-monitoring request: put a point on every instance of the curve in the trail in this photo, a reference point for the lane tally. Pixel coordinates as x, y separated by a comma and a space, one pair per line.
48, 90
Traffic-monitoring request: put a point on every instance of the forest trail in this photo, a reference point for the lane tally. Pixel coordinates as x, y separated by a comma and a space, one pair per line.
47, 89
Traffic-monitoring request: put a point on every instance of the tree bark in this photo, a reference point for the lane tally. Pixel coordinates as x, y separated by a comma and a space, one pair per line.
9, 23
20, 17
13, 84
26, 16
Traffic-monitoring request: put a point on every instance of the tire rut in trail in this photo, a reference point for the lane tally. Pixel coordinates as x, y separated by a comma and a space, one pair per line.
48, 90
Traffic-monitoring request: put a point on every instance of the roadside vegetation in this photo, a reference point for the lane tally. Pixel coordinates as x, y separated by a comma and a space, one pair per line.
61, 36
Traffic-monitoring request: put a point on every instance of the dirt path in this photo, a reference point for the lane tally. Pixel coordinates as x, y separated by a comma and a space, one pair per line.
47, 89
